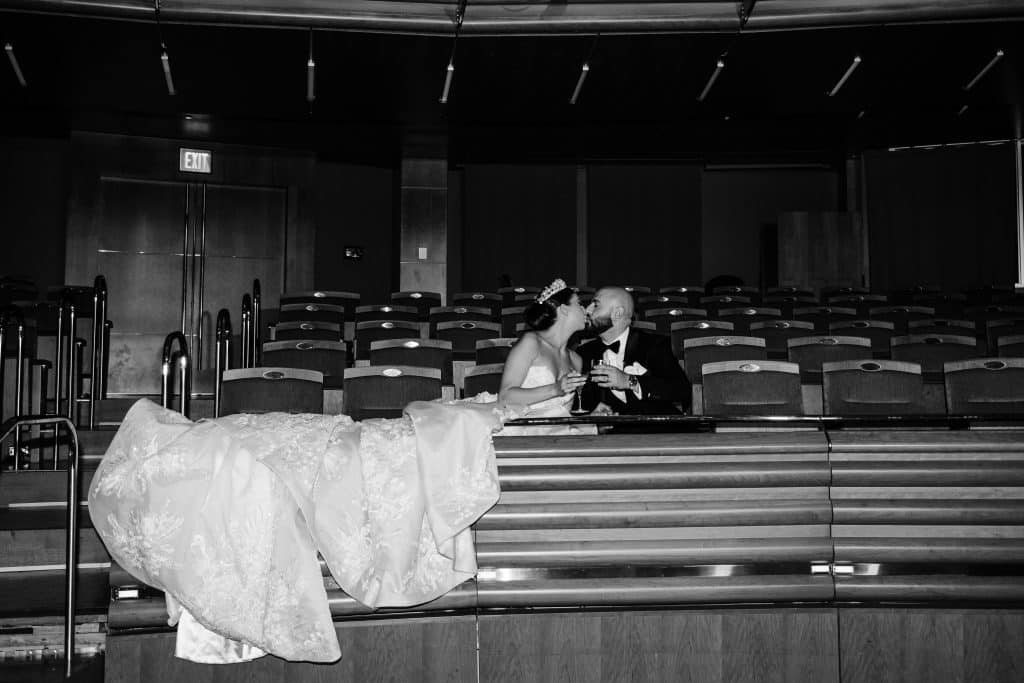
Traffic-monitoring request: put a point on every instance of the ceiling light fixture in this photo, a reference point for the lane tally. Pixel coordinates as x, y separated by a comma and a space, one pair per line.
165, 60
991, 63
745, 8
9, 49
449, 71
584, 70
963, 109
849, 72
310, 72
719, 65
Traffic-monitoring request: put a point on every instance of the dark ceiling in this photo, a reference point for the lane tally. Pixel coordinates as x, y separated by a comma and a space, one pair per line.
246, 82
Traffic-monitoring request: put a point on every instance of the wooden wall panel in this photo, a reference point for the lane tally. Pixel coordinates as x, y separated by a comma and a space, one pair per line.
905, 645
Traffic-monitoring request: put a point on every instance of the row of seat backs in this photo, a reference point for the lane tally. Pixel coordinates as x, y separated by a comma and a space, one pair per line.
984, 386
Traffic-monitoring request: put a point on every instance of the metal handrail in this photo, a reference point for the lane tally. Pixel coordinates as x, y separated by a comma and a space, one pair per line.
5, 319
223, 353
247, 359
185, 384
97, 379
15, 424
257, 335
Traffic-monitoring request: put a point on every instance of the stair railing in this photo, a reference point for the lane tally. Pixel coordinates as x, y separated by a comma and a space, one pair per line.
8, 316
98, 379
257, 334
184, 383
223, 353
15, 425
246, 351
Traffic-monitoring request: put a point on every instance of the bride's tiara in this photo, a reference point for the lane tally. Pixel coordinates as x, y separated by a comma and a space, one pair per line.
554, 288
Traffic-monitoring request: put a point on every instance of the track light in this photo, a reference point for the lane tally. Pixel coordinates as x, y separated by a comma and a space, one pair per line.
849, 72
719, 65
992, 62
584, 70
165, 62
9, 49
449, 72
963, 110
310, 73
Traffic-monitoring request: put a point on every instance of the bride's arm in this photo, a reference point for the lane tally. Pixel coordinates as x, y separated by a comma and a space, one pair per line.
518, 363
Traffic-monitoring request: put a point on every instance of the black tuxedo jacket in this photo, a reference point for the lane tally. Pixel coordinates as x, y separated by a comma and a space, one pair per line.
662, 385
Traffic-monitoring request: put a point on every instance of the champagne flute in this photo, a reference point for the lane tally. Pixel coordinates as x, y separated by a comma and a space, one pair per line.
577, 401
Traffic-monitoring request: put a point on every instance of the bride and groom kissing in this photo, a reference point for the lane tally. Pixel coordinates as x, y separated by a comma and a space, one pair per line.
630, 371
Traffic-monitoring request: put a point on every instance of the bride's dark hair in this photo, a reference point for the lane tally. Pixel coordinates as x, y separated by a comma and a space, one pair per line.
539, 316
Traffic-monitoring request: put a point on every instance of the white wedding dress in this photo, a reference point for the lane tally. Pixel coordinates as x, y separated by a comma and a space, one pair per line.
558, 406
227, 517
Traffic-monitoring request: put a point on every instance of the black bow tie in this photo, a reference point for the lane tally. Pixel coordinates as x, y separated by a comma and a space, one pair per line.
613, 347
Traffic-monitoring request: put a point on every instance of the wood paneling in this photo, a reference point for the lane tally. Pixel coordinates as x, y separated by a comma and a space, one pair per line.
883, 645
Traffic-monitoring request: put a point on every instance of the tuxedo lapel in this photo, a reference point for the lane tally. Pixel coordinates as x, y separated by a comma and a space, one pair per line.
633, 344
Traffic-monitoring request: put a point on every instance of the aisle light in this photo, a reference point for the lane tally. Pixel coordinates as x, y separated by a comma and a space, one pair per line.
992, 62
719, 65
849, 72
584, 70
9, 49
165, 62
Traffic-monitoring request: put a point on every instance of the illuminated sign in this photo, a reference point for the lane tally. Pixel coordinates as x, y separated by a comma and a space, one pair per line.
194, 160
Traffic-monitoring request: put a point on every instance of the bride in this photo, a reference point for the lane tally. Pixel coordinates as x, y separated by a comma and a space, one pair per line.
541, 372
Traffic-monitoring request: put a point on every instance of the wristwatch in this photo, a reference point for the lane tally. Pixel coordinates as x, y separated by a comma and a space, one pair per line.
634, 382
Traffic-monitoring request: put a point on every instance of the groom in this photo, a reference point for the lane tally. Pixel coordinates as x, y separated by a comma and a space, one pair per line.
640, 375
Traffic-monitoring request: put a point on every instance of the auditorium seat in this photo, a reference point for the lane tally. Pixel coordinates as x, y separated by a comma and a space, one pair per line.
753, 294
665, 318
348, 301
308, 330
647, 326
949, 306
824, 316
421, 301
384, 390
743, 317
369, 332
829, 291
510, 317
691, 293
271, 389
900, 316
714, 302
1010, 346
989, 294
419, 353
311, 312
776, 332
691, 329
905, 297
872, 387
985, 386
785, 292
862, 303
880, 332
637, 290
446, 314
488, 300
483, 378
465, 334
375, 312
326, 357
932, 351
982, 315
494, 350
508, 294
810, 352
941, 326
788, 304
712, 349
1003, 327
644, 304
747, 387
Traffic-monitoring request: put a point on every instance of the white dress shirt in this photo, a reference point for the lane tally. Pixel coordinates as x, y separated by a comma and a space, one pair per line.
617, 360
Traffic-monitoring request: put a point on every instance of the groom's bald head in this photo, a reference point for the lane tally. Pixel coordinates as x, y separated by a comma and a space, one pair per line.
617, 296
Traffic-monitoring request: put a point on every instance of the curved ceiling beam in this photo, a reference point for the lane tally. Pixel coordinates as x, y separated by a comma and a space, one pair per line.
501, 17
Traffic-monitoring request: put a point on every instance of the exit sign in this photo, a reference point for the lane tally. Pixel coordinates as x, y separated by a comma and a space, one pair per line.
194, 160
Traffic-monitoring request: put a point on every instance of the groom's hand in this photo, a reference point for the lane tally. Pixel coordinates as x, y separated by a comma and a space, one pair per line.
608, 377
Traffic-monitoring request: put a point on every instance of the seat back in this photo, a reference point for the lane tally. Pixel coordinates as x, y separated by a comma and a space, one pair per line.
510, 317
347, 300
985, 386
421, 301
872, 387
900, 316
691, 293
480, 378
810, 352
369, 332
714, 302
644, 304
713, 349
464, 334
933, 351
326, 357
419, 353
1003, 327
271, 389
949, 306
788, 304
880, 332
941, 326
862, 303
743, 318
751, 293
308, 330
1011, 346
747, 387
373, 312
446, 314
693, 329
311, 312
385, 390
824, 316
664, 318
488, 300
637, 290
777, 332
491, 351
509, 294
